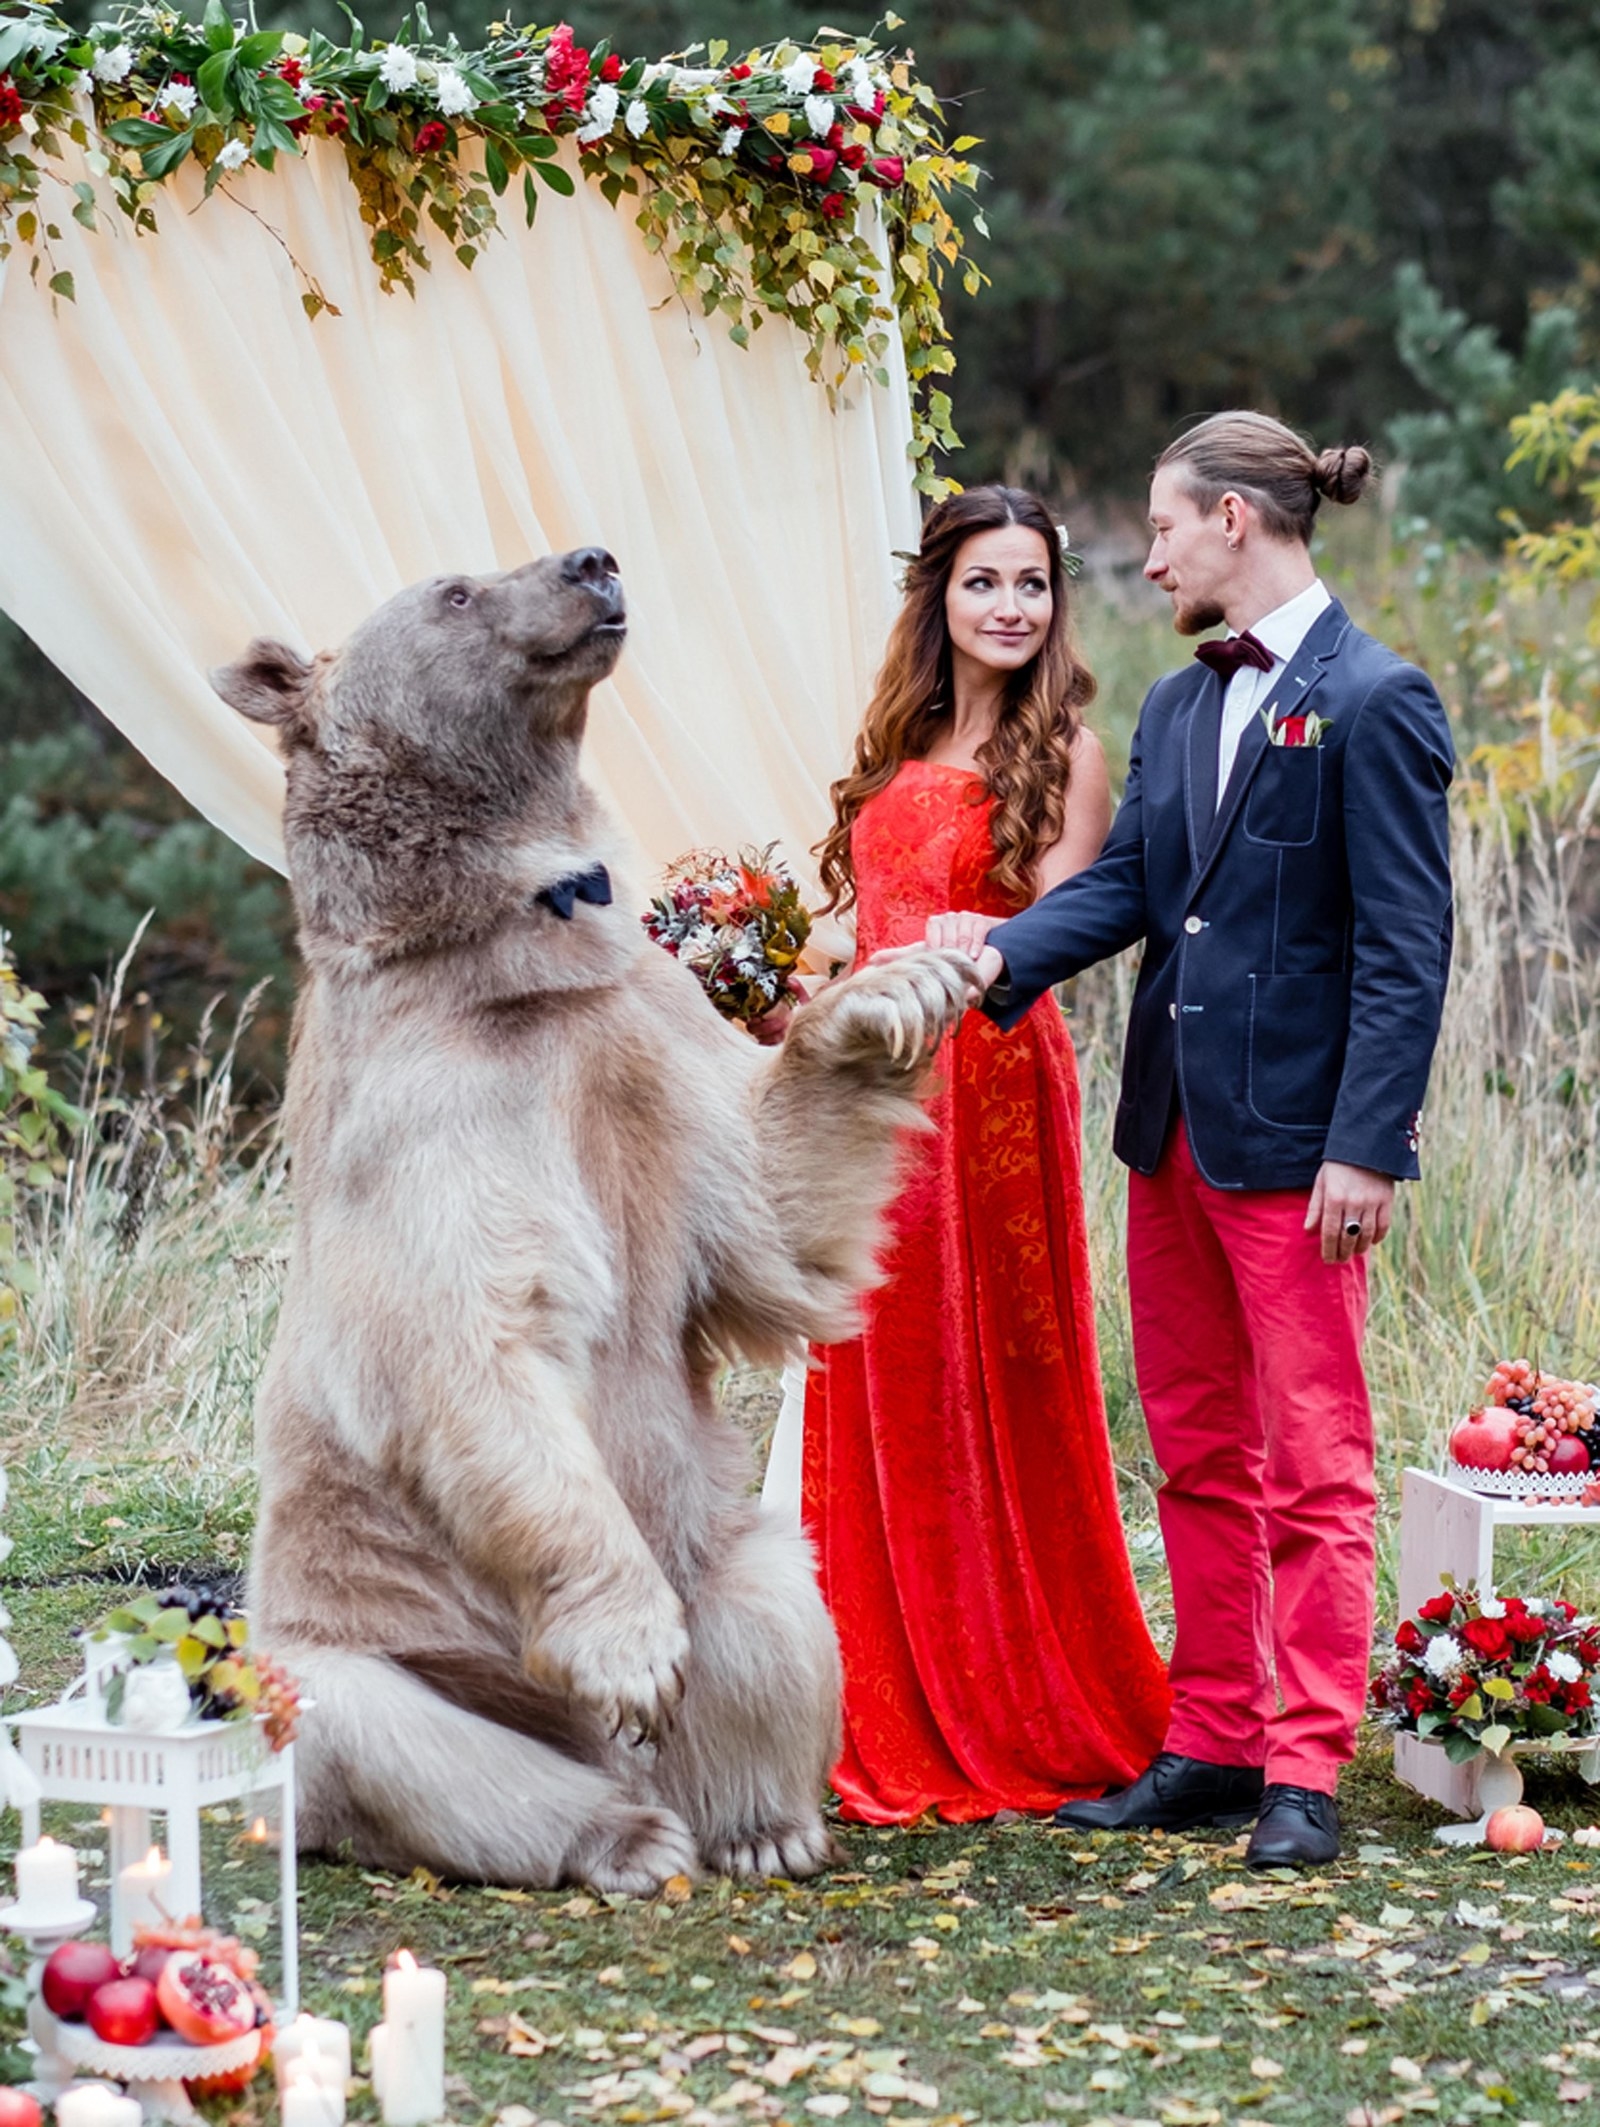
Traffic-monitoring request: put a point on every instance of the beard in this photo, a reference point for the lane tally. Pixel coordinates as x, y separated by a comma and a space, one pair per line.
1196, 616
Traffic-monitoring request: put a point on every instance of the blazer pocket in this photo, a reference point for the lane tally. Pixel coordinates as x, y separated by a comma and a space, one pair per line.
1285, 796
1294, 1048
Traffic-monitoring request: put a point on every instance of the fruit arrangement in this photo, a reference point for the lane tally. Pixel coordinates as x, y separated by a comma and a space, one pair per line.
210, 1638
185, 1981
1532, 1426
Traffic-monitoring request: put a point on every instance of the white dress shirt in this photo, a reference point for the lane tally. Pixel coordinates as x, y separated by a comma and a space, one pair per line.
1281, 631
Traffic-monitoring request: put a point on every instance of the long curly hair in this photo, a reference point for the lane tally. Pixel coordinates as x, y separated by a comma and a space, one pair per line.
1027, 763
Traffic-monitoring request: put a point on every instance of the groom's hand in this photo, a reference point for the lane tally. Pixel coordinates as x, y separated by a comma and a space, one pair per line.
964, 931
1342, 1197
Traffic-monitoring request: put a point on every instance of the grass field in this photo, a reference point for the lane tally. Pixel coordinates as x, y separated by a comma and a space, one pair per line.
1005, 1972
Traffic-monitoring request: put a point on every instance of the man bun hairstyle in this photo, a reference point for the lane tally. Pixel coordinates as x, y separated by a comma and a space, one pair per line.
1265, 461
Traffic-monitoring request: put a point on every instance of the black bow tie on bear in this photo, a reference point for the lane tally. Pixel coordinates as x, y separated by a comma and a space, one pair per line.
1227, 656
561, 894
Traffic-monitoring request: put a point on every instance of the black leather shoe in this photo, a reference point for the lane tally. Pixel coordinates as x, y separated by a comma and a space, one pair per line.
1298, 1828
1172, 1794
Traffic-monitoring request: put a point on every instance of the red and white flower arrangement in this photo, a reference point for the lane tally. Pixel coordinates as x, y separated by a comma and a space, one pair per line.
1483, 1672
738, 927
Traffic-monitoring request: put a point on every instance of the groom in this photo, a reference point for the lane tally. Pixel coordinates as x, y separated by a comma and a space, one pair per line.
1282, 849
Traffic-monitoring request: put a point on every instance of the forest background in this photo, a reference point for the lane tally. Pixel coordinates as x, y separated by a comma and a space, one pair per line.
1378, 218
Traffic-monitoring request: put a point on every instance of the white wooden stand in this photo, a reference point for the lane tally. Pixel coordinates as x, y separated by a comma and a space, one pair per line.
1447, 1528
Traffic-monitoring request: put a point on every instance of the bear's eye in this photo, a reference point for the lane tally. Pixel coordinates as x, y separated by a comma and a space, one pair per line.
460, 596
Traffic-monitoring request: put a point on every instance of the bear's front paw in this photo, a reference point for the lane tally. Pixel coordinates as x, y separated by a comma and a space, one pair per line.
898, 1013
802, 1848
618, 1643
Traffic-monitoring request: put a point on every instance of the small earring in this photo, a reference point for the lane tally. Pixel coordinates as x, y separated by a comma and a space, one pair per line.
1233, 546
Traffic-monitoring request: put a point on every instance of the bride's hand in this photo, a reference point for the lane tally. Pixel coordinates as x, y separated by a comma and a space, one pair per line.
962, 930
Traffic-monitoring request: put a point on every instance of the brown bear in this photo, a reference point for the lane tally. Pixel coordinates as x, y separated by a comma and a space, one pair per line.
542, 1191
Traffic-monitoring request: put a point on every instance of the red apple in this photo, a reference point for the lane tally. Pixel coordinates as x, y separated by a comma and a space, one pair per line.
124, 2013
204, 2002
71, 1975
1568, 1457
1515, 1830
17, 2109
1484, 1441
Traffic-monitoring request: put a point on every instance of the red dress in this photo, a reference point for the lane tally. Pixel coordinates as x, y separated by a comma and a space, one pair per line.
958, 1478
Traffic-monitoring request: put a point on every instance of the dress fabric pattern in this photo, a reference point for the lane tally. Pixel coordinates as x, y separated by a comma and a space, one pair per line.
958, 1478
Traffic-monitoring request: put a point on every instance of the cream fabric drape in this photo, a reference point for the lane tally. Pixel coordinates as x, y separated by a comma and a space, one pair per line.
187, 461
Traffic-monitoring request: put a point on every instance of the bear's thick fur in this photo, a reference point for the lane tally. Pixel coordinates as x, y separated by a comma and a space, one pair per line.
506, 1541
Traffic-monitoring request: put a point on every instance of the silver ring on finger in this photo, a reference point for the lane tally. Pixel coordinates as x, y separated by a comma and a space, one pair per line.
1352, 1229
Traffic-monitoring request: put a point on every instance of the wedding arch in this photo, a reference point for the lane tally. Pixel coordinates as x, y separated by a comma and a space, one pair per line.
285, 325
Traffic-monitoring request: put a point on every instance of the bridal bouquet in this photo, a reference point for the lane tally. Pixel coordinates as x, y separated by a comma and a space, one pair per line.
738, 927
1483, 1672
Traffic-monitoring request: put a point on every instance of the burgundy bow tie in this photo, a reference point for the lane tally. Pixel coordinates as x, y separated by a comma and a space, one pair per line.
1226, 656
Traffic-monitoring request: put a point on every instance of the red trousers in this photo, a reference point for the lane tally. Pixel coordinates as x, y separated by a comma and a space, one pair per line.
1248, 1352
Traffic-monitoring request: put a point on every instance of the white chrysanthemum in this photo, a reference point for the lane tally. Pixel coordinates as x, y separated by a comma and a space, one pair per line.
858, 80
397, 69
454, 97
637, 119
604, 104
1566, 1668
719, 105
1534, 1606
1443, 1657
114, 63
819, 115
799, 74
1491, 1606
232, 154
84, 82
686, 79
179, 96
729, 143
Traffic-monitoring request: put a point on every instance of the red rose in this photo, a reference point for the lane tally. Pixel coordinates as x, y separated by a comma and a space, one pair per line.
611, 67
1293, 729
432, 135
1409, 1640
1438, 1609
10, 102
886, 171
739, 73
740, 118
1579, 1696
822, 81
292, 71
834, 137
835, 205
866, 114
1486, 1636
853, 156
822, 161
1523, 1627
1419, 1698
1461, 1690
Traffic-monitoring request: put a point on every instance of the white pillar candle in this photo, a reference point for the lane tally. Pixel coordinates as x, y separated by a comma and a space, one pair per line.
143, 1898
378, 2053
97, 2105
308, 2099
325, 2038
413, 2063
47, 1879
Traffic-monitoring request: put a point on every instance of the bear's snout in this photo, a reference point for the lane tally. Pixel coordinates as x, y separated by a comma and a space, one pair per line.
596, 571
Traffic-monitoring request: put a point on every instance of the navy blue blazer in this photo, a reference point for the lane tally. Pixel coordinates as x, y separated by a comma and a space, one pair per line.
1297, 940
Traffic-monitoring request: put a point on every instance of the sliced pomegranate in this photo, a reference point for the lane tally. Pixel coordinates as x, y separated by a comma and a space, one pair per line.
203, 2001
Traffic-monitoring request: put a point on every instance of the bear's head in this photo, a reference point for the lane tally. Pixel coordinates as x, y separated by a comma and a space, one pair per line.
435, 753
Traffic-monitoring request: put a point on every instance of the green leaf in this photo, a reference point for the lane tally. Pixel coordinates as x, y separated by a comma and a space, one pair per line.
138, 132
170, 1626
158, 161
1428, 1722
530, 197
212, 82
494, 168
535, 147
218, 26
1498, 1687
558, 179
62, 284
257, 50
377, 96
1496, 1737
1459, 1747
211, 1630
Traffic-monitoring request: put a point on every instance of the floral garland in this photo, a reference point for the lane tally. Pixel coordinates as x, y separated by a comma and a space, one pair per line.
748, 172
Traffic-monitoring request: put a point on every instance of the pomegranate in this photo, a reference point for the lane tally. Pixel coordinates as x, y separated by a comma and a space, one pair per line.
17, 2109
1516, 1829
71, 1975
124, 2013
150, 1962
238, 2079
1484, 1440
1568, 1456
204, 2001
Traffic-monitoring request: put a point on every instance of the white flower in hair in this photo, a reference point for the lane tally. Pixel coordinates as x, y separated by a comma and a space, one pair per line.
799, 74
1564, 1667
1443, 1657
455, 98
114, 63
819, 115
232, 155
397, 69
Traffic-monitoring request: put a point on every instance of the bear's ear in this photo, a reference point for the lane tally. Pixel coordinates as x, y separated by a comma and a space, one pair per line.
270, 684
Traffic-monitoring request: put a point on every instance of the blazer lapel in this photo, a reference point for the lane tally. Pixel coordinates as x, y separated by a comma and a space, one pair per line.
1200, 765
1295, 683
